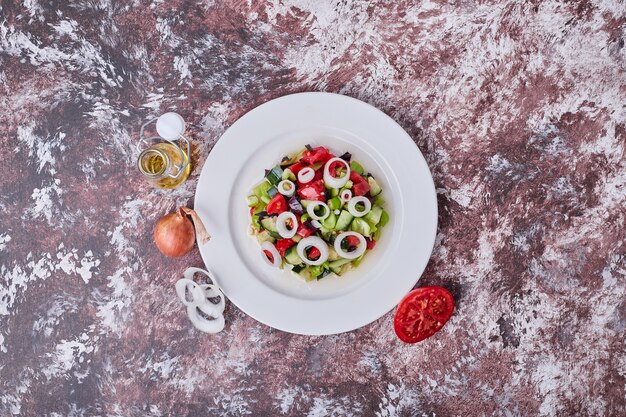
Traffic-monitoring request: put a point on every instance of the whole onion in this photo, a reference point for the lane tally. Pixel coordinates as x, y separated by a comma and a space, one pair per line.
174, 234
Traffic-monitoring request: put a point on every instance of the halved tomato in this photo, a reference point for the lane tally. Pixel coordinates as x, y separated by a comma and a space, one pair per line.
422, 313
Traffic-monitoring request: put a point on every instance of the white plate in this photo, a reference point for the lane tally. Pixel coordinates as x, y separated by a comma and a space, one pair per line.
258, 141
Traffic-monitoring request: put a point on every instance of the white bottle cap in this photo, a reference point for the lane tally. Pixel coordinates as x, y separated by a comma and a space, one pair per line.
170, 126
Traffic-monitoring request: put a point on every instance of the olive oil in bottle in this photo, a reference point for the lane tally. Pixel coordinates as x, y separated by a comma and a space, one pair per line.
161, 163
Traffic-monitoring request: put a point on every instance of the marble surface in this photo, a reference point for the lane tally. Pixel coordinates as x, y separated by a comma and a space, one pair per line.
518, 107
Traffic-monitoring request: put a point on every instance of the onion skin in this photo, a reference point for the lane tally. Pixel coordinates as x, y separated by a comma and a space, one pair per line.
174, 234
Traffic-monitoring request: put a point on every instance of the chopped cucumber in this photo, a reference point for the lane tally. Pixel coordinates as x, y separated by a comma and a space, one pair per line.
288, 175
379, 200
344, 220
324, 273
374, 187
264, 236
252, 200
292, 257
384, 219
274, 175
356, 167
330, 221
304, 217
269, 223
334, 192
334, 203
275, 235
373, 217
337, 264
272, 192
265, 199
306, 274
261, 189
361, 226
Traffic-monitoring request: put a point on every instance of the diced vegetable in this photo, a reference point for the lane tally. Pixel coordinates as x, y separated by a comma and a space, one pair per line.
269, 223
384, 219
316, 155
277, 204
295, 206
264, 236
330, 221
356, 167
361, 226
272, 192
374, 187
261, 189
274, 175
344, 220
292, 257
252, 200
283, 244
313, 191
334, 203
288, 175
374, 216
361, 186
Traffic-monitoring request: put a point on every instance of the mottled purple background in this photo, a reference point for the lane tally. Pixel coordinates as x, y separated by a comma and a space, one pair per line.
520, 110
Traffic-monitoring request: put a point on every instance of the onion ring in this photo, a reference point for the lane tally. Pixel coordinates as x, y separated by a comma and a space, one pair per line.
286, 188
360, 250
281, 224
207, 306
316, 242
311, 210
346, 195
334, 182
306, 175
185, 284
356, 200
267, 246
316, 224
201, 323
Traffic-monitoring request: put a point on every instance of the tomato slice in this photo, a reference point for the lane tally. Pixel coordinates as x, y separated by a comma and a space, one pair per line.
295, 168
319, 154
269, 255
277, 204
283, 244
313, 191
361, 186
314, 254
422, 313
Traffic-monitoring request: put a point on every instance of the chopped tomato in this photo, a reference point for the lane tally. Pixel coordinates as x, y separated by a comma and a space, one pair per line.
251, 211
360, 185
283, 244
319, 154
304, 231
314, 254
313, 191
353, 241
295, 168
269, 255
370, 243
277, 205
422, 313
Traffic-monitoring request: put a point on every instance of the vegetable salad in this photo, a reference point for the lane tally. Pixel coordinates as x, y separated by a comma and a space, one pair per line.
316, 213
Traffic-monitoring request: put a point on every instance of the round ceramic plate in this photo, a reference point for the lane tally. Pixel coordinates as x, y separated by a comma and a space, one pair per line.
258, 141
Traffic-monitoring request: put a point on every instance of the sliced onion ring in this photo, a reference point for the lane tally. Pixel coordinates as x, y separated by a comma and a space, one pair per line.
201, 323
208, 307
356, 200
346, 195
268, 246
316, 224
183, 285
311, 210
360, 250
306, 174
316, 242
334, 182
281, 224
286, 188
